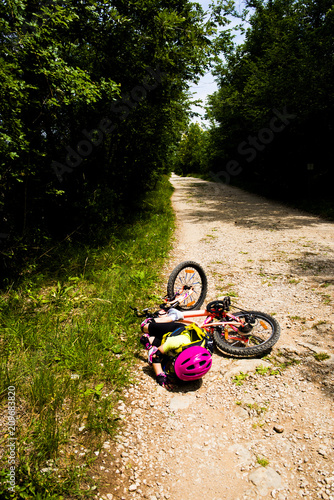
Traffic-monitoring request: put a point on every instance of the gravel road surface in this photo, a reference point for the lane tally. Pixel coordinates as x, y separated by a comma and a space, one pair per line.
266, 434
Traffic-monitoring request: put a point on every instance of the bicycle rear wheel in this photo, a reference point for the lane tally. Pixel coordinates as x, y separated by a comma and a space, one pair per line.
258, 337
185, 276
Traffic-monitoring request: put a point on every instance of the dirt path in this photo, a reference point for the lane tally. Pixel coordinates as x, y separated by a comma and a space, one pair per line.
272, 435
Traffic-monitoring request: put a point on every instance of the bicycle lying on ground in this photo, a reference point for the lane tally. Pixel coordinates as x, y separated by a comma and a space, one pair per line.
243, 333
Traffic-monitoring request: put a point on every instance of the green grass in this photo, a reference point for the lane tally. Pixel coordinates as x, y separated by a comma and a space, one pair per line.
326, 298
68, 343
321, 356
231, 293
258, 409
239, 379
265, 370
279, 366
262, 461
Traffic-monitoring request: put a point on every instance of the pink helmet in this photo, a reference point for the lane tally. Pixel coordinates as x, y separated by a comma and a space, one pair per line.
192, 363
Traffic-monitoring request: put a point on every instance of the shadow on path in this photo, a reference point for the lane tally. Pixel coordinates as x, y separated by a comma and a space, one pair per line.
220, 202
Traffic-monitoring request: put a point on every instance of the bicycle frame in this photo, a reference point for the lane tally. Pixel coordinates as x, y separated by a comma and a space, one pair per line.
184, 295
256, 331
233, 328
209, 323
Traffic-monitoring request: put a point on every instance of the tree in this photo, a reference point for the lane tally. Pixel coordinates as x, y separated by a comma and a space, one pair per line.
94, 96
285, 66
191, 154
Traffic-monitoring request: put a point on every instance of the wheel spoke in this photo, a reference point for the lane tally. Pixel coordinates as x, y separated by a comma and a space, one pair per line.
263, 334
188, 275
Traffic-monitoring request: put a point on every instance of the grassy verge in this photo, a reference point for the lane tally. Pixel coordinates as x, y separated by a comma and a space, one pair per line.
68, 340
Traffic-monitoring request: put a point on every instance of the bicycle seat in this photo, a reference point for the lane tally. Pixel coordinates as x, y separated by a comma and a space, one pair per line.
219, 306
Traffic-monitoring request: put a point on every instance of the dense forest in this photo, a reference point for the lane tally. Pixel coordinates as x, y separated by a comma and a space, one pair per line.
94, 98
271, 119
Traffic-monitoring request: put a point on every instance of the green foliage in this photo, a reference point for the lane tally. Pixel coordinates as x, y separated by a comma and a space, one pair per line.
69, 340
190, 156
259, 410
284, 67
321, 356
239, 379
266, 370
94, 97
262, 461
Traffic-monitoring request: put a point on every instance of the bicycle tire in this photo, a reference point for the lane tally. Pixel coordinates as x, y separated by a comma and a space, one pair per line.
261, 342
181, 276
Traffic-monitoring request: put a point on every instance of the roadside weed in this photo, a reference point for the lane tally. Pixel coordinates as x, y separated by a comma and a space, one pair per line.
326, 298
257, 408
266, 370
298, 318
262, 461
321, 356
238, 379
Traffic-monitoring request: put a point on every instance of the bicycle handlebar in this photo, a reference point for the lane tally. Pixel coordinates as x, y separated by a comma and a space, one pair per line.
146, 313
139, 315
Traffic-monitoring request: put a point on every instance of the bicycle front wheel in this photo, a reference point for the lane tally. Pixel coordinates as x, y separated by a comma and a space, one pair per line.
258, 336
188, 275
